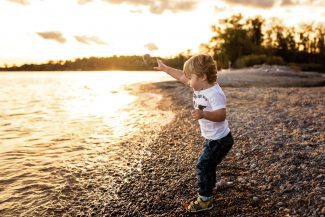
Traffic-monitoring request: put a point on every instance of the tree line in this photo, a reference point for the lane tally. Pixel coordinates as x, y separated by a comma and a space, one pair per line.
236, 42
240, 42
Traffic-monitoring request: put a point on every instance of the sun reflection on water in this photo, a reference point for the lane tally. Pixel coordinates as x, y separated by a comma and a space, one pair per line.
43, 106
60, 130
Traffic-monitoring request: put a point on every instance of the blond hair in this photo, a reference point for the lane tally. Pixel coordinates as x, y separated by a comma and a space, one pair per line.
201, 65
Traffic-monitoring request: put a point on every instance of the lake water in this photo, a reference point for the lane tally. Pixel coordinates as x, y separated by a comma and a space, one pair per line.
60, 131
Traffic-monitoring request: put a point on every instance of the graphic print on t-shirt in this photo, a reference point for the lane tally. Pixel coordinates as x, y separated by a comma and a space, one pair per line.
211, 99
200, 101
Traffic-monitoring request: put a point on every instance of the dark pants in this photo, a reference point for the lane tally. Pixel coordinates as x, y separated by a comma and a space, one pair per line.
213, 153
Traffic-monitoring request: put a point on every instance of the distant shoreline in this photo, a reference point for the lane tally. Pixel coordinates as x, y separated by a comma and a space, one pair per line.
110, 70
256, 76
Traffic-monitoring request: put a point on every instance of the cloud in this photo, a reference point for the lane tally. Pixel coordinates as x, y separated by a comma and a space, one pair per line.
89, 39
287, 3
156, 6
219, 9
312, 2
151, 46
319, 3
83, 1
253, 3
136, 11
56, 36
303, 2
22, 2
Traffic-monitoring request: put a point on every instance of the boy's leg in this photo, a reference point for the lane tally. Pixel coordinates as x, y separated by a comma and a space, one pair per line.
204, 200
205, 171
225, 146
213, 153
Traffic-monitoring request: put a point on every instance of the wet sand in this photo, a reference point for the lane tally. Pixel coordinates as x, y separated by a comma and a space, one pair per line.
276, 164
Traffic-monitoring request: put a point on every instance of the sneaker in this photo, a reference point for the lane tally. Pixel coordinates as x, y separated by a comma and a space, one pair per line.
198, 205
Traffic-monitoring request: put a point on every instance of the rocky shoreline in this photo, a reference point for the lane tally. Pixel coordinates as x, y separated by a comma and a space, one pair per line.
276, 166
270, 76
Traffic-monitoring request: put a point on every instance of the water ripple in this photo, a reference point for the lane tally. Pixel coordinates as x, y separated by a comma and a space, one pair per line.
65, 138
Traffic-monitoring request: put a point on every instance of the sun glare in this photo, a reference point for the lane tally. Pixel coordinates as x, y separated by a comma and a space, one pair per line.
118, 29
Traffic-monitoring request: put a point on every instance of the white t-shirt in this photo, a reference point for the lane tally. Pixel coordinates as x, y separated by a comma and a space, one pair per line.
211, 99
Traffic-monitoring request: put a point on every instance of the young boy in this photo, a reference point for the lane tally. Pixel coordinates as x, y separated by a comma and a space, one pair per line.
200, 73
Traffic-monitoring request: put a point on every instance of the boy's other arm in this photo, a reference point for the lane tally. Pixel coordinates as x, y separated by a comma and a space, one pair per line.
215, 116
175, 73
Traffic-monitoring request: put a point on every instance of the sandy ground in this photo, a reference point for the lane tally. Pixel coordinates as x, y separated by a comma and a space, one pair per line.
276, 165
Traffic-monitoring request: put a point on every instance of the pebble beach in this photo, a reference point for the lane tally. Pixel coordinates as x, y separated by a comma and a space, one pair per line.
275, 168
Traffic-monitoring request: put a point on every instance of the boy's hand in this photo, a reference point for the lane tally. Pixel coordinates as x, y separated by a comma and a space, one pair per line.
161, 66
197, 114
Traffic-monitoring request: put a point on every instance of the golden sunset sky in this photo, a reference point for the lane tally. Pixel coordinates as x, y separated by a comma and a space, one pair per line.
35, 31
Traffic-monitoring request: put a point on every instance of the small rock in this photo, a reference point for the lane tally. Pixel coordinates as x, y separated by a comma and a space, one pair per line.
255, 198
292, 167
303, 166
146, 58
240, 179
252, 166
280, 204
263, 187
221, 184
230, 183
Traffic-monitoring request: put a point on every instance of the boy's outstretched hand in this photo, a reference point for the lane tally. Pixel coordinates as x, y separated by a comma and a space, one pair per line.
161, 66
197, 114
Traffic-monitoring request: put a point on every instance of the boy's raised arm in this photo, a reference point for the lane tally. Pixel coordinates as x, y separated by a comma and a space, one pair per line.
175, 73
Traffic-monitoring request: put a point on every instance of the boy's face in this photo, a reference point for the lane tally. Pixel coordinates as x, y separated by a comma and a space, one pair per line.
196, 82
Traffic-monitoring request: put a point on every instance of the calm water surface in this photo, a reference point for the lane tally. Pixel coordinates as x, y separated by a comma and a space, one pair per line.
61, 129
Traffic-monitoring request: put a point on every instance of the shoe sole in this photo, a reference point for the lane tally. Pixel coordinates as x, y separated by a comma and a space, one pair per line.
201, 210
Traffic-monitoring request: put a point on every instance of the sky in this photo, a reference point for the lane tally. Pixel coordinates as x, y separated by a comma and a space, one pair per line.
36, 31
